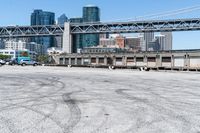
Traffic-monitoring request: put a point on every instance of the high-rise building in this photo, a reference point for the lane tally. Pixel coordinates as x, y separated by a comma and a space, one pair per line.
132, 43
58, 40
2, 44
107, 42
168, 40
142, 42
91, 14
154, 45
62, 19
106, 35
148, 37
161, 41
39, 17
78, 38
76, 20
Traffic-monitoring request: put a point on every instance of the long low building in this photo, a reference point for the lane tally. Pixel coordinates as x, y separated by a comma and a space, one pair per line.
175, 59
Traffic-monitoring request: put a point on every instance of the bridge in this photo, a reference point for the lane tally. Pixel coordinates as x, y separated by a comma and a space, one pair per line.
99, 28
137, 26
70, 29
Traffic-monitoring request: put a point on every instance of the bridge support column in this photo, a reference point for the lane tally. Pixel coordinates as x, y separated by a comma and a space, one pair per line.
67, 38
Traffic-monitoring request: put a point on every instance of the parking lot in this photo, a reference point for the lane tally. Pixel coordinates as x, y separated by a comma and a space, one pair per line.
88, 100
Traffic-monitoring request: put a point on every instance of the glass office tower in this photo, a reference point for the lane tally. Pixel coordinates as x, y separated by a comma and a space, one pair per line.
91, 14
77, 39
62, 19
39, 17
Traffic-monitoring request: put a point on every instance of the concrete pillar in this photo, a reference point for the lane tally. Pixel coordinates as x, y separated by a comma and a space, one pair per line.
186, 61
172, 60
63, 60
76, 61
134, 58
105, 60
97, 60
82, 60
70, 61
67, 38
114, 60
90, 60
158, 60
124, 60
145, 58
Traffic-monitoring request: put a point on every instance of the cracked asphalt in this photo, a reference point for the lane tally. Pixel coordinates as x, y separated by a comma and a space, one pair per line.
87, 100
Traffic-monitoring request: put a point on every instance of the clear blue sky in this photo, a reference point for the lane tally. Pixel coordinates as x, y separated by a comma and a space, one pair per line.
17, 12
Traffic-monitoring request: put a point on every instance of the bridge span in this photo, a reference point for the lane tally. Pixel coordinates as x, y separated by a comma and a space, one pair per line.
69, 29
102, 27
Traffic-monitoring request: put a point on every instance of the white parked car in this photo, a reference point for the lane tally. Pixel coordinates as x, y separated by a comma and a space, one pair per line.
2, 62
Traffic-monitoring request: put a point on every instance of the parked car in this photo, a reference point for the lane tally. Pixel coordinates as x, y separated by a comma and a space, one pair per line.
2, 62
28, 62
11, 61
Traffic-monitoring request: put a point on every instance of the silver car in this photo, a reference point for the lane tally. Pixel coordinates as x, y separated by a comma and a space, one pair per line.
28, 62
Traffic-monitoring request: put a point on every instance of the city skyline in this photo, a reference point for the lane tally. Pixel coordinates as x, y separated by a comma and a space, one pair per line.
182, 40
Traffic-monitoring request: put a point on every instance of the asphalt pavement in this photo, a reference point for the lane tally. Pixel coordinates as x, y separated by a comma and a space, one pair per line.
92, 100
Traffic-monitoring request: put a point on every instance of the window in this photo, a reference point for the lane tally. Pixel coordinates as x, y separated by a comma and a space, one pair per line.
139, 59
166, 59
24, 54
151, 59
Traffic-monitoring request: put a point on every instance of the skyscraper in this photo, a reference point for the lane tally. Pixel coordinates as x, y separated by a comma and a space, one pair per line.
62, 19
168, 40
91, 14
133, 43
39, 17
161, 39
58, 40
154, 45
78, 38
148, 37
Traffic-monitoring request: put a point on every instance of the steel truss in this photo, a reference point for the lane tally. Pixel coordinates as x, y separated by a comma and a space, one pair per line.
28, 31
137, 26
98, 28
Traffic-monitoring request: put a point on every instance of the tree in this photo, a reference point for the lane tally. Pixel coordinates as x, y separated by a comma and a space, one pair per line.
4, 57
43, 58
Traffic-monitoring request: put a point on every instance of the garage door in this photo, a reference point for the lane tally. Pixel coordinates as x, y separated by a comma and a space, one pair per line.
195, 62
130, 61
151, 61
179, 62
119, 62
166, 62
